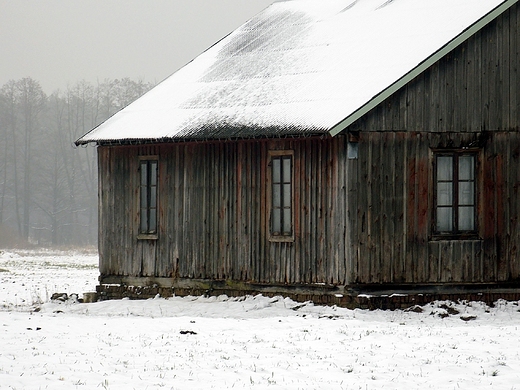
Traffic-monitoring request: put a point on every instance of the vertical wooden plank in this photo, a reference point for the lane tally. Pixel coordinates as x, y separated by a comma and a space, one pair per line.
494, 80
474, 75
312, 228
263, 259
423, 200
353, 238
397, 205
240, 218
503, 63
514, 82
369, 259
433, 98
294, 271
489, 217
104, 232
403, 109
408, 272
388, 211
339, 205
501, 206
449, 71
442, 109
433, 263
486, 44
179, 244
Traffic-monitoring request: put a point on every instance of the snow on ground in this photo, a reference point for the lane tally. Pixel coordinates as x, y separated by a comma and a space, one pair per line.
252, 342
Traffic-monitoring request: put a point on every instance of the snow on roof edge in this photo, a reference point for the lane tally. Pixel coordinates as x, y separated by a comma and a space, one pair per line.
448, 47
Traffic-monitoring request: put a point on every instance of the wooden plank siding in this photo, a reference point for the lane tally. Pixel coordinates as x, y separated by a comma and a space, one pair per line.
469, 97
213, 222
394, 208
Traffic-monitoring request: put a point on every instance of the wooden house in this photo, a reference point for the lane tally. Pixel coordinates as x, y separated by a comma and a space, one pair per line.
323, 149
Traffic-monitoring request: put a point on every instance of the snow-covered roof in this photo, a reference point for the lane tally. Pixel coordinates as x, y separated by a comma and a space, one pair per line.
300, 67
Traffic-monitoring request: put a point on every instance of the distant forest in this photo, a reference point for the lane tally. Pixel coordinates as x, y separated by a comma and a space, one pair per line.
48, 187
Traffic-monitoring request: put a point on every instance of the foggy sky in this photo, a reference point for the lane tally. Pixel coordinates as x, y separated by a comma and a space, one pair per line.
61, 42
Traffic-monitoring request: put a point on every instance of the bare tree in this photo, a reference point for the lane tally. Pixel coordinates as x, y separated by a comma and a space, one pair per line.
48, 187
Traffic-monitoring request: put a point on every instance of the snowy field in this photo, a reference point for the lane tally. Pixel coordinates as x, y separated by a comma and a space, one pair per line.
254, 342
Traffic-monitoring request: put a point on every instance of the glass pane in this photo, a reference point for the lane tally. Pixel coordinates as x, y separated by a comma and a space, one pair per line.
153, 173
444, 194
444, 168
144, 221
286, 195
444, 219
466, 193
144, 173
287, 221
144, 197
276, 170
466, 218
287, 170
153, 221
276, 220
277, 201
153, 197
466, 167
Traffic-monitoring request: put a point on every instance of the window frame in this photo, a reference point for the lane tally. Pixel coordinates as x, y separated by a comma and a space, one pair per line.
148, 234
279, 236
456, 233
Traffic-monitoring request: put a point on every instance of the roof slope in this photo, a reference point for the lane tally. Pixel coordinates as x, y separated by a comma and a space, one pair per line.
299, 67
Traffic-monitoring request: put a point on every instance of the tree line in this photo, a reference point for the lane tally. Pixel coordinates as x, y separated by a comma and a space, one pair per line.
48, 187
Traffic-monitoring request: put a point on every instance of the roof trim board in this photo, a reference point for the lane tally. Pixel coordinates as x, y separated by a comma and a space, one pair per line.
453, 44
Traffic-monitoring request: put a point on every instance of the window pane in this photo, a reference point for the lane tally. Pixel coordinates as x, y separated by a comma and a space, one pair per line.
277, 200
444, 168
287, 170
144, 221
466, 167
286, 195
466, 193
153, 221
287, 221
466, 218
444, 194
144, 197
276, 170
144, 173
444, 219
153, 197
276, 220
153, 173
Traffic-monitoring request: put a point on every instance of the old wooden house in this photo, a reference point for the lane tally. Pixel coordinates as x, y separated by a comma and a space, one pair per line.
323, 149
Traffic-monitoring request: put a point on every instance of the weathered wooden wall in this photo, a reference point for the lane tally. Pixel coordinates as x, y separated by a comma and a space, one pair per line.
471, 96
390, 200
213, 217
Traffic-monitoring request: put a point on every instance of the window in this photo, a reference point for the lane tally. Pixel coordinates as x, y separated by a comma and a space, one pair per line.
281, 221
455, 193
148, 197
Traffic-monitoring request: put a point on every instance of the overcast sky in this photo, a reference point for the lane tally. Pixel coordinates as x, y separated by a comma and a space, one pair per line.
60, 42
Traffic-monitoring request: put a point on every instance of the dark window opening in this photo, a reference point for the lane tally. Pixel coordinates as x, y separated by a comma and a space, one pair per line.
281, 200
455, 193
148, 196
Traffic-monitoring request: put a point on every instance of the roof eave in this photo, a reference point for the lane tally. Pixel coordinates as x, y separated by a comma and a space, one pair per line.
453, 44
